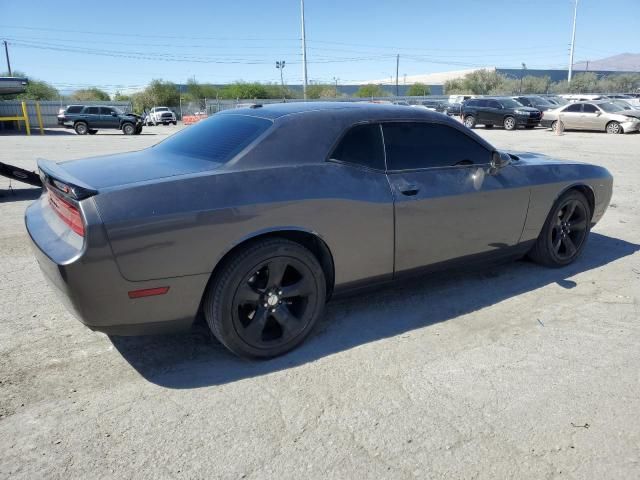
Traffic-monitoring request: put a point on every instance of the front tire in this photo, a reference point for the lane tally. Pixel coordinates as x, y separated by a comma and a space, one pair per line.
565, 231
614, 128
128, 129
266, 299
470, 121
510, 123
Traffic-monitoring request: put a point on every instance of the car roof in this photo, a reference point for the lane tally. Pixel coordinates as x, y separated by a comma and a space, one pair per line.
368, 111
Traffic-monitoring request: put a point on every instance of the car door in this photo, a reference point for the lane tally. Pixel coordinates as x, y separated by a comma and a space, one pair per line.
591, 117
108, 119
91, 115
570, 116
483, 115
494, 112
449, 202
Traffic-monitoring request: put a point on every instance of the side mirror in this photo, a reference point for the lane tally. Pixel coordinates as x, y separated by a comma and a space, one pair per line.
499, 160
598, 113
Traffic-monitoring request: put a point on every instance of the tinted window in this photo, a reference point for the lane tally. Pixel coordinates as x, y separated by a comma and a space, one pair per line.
510, 103
493, 104
482, 103
92, 110
105, 110
361, 145
574, 107
588, 108
217, 139
425, 145
472, 103
75, 109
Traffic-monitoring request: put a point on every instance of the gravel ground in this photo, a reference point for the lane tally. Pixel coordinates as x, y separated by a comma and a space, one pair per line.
515, 372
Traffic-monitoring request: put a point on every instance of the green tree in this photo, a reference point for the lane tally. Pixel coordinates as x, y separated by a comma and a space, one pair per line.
418, 89
36, 89
162, 93
371, 90
121, 97
88, 94
199, 91
584, 83
321, 90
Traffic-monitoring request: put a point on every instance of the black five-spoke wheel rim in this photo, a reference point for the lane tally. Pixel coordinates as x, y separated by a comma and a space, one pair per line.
569, 230
274, 303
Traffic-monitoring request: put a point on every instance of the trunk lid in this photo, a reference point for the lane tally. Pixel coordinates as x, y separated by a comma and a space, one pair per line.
110, 171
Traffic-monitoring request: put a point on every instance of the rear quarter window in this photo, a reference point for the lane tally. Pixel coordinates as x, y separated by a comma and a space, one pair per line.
217, 139
75, 109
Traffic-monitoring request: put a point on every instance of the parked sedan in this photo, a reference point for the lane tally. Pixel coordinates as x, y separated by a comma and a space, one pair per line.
256, 217
505, 112
603, 116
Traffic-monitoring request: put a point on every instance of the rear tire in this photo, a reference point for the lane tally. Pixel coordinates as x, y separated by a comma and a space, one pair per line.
81, 128
565, 232
470, 121
266, 299
510, 123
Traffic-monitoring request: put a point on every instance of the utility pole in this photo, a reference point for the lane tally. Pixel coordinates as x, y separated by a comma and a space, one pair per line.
280, 66
573, 41
335, 79
397, 69
524, 69
6, 52
304, 52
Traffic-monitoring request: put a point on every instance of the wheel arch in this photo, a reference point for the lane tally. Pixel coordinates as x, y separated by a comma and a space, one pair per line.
308, 239
583, 188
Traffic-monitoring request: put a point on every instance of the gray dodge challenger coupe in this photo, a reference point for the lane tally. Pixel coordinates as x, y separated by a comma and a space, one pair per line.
256, 216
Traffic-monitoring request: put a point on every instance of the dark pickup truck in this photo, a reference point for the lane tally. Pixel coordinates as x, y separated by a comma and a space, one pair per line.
90, 119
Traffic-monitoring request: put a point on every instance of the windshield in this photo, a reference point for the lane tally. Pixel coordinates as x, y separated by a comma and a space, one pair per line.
118, 111
162, 109
610, 107
541, 101
510, 103
217, 139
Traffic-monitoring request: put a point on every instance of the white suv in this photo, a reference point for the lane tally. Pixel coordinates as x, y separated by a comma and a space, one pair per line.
161, 115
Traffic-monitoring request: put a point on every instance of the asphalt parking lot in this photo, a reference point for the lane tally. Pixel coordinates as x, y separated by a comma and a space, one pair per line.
514, 372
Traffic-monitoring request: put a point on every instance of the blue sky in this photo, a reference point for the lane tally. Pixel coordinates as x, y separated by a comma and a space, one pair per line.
124, 44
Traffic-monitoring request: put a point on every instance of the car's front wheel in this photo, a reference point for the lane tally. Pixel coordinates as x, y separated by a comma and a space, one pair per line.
266, 298
614, 127
128, 129
470, 121
510, 123
565, 231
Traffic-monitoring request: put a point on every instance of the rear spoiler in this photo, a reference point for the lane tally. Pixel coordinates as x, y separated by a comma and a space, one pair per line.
57, 177
20, 174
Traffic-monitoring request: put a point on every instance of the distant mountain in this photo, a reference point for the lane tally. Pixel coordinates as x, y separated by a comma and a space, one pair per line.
625, 62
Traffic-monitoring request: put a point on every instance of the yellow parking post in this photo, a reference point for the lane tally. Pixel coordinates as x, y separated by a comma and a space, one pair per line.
26, 118
39, 115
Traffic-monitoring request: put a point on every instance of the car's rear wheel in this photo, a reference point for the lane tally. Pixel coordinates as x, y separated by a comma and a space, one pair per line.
470, 121
554, 125
614, 128
266, 299
92, 132
565, 231
510, 123
128, 129
81, 128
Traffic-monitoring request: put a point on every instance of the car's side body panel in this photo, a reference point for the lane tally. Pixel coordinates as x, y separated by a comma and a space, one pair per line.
348, 207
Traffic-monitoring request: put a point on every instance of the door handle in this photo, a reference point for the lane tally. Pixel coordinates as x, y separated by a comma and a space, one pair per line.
409, 189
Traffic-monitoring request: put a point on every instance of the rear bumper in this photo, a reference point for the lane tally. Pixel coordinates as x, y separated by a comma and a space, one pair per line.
89, 284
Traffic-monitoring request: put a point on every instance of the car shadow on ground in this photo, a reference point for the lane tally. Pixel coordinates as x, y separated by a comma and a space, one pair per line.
194, 360
19, 194
35, 131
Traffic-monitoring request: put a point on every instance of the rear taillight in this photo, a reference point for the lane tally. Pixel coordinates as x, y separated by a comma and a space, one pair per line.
67, 212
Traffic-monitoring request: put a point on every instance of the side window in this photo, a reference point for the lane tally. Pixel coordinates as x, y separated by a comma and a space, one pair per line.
426, 145
361, 145
106, 111
74, 109
524, 101
493, 104
471, 103
92, 110
483, 103
574, 107
589, 108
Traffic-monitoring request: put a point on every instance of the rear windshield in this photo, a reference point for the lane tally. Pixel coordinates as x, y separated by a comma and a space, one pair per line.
162, 109
217, 139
